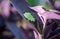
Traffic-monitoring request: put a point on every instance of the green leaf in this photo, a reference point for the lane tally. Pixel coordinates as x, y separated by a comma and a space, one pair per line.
29, 16
36, 2
47, 7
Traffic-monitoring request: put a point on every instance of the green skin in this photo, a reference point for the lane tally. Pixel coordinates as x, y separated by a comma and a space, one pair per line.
29, 16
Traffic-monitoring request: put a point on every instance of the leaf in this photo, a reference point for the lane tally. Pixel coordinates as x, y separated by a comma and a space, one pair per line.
47, 7
29, 16
22, 7
46, 14
36, 2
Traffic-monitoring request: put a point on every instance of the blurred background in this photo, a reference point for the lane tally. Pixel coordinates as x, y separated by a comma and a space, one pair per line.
8, 13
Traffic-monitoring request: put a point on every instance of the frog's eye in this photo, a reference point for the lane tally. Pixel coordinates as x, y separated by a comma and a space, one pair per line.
29, 16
